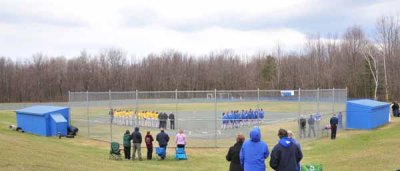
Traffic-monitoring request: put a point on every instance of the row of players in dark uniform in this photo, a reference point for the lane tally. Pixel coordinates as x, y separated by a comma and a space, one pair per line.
236, 119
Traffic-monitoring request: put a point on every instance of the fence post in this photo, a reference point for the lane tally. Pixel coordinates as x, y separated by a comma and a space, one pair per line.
111, 117
299, 102
136, 107
215, 117
258, 98
333, 100
318, 98
299, 112
69, 107
176, 109
87, 112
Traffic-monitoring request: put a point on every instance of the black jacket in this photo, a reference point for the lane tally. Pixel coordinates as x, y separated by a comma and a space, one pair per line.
171, 117
162, 138
285, 155
334, 121
136, 136
395, 106
234, 157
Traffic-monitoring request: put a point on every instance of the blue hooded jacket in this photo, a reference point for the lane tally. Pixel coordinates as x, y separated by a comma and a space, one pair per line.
285, 155
254, 152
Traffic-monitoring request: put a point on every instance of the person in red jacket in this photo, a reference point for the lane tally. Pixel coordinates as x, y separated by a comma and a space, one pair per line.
148, 139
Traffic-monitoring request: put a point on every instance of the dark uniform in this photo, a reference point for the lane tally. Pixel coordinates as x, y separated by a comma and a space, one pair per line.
172, 121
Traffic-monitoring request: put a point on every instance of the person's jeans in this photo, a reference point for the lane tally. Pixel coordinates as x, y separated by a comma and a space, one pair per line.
127, 152
302, 132
136, 147
181, 146
165, 147
172, 124
333, 131
309, 130
149, 153
396, 113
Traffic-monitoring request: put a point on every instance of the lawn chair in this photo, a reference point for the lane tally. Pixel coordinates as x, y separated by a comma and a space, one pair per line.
180, 154
161, 153
115, 152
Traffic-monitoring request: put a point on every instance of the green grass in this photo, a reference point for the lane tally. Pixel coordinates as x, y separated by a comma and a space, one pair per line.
353, 150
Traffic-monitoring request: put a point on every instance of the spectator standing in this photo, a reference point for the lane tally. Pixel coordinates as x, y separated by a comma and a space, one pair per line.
127, 145
162, 139
137, 141
334, 123
395, 108
340, 120
149, 145
254, 152
285, 155
233, 154
160, 120
302, 124
180, 139
171, 120
311, 122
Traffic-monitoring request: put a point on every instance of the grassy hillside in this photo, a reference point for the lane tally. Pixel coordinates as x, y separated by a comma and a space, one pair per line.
353, 150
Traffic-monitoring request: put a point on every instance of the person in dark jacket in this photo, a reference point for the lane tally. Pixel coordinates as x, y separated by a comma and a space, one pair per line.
171, 118
137, 141
162, 139
254, 152
334, 122
233, 154
160, 120
127, 145
395, 108
302, 125
311, 123
285, 155
149, 144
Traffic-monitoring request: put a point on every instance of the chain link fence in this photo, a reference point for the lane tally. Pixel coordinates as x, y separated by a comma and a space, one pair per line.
200, 113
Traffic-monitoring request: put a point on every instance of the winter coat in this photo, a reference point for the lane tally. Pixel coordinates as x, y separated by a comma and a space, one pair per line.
127, 140
234, 158
334, 121
136, 136
162, 138
254, 152
395, 106
285, 156
171, 117
311, 121
149, 141
180, 139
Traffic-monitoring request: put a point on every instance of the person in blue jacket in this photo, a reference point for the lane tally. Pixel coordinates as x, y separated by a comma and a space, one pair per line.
286, 155
254, 152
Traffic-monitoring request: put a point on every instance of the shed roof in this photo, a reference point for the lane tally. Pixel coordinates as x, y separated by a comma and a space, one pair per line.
369, 103
40, 109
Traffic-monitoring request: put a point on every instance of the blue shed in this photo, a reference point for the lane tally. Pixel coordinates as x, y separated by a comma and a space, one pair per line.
367, 114
44, 120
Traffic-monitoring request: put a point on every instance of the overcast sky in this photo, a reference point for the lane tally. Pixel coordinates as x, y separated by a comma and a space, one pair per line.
66, 27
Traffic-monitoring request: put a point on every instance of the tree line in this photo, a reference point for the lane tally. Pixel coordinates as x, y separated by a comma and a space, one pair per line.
366, 65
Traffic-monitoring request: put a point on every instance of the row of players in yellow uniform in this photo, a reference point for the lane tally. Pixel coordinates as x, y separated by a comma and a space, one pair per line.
138, 115
141, 118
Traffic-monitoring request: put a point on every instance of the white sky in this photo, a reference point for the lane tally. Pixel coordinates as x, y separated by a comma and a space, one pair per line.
66, 27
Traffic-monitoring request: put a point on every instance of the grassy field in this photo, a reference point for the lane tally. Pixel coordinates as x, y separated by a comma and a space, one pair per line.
199, 117
353, 150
